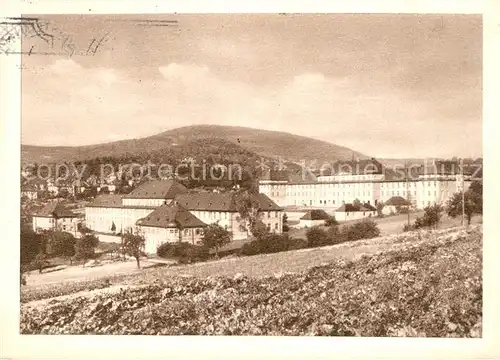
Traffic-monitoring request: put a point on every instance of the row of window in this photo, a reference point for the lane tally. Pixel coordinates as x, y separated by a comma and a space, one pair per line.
337, 194
397, 193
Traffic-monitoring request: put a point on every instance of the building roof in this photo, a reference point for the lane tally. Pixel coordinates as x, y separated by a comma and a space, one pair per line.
171, 216
207, 201
397, 201
316, 214
158, 189
222, 201
265, 203
368, 207
55, 210
107, 200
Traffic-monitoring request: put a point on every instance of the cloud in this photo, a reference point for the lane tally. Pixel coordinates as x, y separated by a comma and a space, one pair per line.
68, 104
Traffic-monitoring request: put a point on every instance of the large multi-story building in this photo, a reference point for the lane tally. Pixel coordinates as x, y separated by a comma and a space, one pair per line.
165, 211
368, 182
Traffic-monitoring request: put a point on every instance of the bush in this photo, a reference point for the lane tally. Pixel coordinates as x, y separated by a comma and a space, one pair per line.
286, 228
85, 247
431, 218
183, 252
296, 243
251, 248
331, 221
409, 227
365, 229
272, 243
335, 236
167, 250
317, 236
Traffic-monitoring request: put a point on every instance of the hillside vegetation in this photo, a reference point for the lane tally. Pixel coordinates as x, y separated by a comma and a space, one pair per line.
431, 285
261, 142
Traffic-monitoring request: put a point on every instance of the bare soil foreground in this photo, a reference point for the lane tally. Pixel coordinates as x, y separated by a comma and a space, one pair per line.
413, 284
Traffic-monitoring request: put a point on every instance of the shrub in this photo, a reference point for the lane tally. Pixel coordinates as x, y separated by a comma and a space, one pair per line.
409, 227
296, 244
274, 243
31, 244
85, 247
431, 217
251, 248
285, 223
364, 229
183, 252
380, 208
60, 243
317, 236
331, 221
215, 237
335, 236
167, 250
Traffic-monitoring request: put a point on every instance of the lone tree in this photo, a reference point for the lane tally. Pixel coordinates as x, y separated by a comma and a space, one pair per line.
380, 208
85, 247
31, 245
40, 261
473, 203
248, 209
214, 237
431, 218
133, 245
356, 204
317, 236
61, 243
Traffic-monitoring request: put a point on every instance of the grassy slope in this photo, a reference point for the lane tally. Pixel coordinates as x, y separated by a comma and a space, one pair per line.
422, 287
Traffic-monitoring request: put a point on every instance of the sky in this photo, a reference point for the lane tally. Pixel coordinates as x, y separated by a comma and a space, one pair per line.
385, 85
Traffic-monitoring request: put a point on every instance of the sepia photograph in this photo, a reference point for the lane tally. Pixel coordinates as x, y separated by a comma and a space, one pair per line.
275, 174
